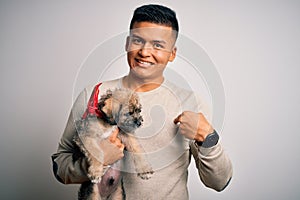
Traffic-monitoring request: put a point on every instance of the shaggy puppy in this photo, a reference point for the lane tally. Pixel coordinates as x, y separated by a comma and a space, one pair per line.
117, 109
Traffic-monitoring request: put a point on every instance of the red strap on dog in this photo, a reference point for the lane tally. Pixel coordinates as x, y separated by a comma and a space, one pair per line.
92, 106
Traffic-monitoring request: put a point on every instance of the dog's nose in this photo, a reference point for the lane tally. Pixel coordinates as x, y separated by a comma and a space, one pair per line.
138, 123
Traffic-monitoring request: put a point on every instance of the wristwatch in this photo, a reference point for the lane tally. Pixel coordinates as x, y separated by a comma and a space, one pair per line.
210, 140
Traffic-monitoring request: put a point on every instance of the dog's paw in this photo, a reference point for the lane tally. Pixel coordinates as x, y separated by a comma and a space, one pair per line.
95, 171
145, 175
95, 180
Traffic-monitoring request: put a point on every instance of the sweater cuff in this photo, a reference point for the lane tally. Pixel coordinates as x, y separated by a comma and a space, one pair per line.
205, 151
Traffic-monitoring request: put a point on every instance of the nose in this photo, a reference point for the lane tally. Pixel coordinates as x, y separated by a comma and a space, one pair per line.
145, 50
138, 122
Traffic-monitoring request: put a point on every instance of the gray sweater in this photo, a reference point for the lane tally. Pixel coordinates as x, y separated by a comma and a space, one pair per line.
168, 151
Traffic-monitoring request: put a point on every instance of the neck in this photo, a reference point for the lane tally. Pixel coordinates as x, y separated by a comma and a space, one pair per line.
141, 85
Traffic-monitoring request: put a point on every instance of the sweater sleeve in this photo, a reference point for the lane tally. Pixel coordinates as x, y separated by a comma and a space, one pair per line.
69, 165
214, 166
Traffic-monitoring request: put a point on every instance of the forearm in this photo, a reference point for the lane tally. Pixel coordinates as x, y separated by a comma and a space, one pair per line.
214, 166
67, 170
69, 164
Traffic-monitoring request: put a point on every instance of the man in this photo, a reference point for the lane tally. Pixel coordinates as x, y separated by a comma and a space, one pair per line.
175, 120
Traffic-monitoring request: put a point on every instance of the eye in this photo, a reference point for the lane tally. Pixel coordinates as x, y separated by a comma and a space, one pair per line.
129, 114
158, 46
137, 41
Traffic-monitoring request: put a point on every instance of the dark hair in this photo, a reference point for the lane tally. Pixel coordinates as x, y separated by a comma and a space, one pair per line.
157, 14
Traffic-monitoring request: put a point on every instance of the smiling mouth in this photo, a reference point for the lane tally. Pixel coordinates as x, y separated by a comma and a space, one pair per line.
143, 63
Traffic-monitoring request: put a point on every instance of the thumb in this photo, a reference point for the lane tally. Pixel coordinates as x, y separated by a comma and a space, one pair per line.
114, 135
177, 119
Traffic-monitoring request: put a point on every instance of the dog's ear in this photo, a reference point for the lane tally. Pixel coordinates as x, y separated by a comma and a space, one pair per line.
105, 103
107, 108
134, 103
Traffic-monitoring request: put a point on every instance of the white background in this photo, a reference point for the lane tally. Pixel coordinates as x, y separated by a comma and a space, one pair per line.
253, 44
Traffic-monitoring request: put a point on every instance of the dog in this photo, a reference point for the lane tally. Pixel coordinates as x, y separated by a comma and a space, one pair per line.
121, 109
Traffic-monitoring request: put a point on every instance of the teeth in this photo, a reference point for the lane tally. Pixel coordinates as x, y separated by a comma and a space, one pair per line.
145, 63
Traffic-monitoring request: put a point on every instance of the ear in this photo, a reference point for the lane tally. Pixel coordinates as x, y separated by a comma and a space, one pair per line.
134, 99
107, 107
127, 43
173, 54
105, 102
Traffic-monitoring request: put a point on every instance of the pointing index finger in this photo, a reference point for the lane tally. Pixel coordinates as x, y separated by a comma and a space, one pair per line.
177, 119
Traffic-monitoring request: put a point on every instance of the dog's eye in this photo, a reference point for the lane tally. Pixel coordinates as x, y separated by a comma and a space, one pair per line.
138, 110
128, 114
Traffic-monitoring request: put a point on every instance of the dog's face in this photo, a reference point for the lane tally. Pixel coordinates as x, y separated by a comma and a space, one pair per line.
121, 107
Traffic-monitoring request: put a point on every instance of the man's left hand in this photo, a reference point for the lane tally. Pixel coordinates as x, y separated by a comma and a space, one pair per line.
193, 125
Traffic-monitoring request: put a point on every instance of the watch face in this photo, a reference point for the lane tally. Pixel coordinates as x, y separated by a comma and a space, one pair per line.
211, 140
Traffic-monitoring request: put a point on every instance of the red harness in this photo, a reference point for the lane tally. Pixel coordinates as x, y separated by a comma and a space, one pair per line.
92, 106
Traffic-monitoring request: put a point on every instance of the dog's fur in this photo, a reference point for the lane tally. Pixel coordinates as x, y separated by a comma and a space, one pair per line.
119, 108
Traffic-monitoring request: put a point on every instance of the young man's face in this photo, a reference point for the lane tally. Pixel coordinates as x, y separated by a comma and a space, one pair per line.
149, 49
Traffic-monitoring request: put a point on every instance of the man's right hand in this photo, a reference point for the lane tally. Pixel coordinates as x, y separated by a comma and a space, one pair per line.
113, 138
112, 148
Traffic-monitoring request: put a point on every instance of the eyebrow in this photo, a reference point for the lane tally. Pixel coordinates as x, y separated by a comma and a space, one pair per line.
159, 41
155, 41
